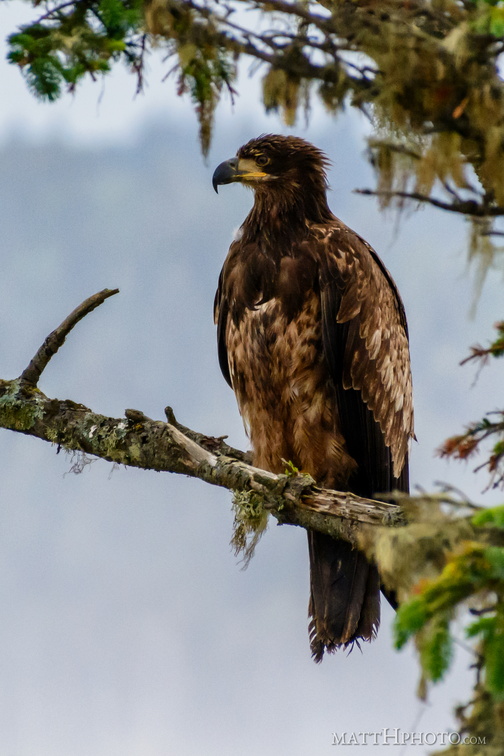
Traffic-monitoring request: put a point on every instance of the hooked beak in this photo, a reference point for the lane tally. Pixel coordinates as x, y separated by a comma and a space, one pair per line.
225, 173
236, 170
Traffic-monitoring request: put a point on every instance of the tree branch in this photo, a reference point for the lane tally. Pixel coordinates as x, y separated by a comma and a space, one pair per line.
56, 339
139, 441
465, 207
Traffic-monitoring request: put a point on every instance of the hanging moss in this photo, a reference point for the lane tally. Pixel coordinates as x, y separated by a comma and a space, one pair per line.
250, 523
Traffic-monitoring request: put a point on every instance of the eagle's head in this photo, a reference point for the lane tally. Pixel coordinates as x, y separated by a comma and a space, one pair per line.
274, 162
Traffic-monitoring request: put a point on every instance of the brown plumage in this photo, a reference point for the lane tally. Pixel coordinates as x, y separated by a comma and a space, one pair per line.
313, 340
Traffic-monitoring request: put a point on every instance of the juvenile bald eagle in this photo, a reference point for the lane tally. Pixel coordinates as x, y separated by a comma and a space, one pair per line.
313, 340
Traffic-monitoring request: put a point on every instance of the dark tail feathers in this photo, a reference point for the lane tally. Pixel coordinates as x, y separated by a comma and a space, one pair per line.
345, 595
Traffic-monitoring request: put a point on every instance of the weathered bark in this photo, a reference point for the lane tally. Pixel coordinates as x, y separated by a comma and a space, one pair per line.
138, 441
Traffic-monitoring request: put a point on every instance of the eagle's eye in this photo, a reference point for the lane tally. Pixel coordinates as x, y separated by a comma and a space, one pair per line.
262, 160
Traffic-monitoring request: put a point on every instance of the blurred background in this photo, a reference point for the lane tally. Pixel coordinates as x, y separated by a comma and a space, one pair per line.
127, 626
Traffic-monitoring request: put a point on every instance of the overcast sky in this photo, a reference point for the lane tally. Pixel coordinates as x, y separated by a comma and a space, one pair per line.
127, 627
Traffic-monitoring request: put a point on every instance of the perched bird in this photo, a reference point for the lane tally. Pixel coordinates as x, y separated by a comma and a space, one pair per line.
313, 340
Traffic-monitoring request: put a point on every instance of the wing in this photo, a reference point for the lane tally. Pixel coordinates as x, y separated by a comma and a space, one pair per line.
221, 309
248, 278
365, 341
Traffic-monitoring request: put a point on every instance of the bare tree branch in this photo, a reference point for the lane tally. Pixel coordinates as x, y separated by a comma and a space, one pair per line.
56, 339
465, 207
138, 441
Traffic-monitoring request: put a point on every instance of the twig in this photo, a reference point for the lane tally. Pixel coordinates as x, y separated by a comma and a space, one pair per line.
55, 11
213, 444
465, 207
31, 375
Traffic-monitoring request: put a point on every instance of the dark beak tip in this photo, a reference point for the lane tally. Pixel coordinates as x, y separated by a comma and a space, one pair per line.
225, 173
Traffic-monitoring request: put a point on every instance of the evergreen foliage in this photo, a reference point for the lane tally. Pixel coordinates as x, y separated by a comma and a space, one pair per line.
74, 39
472, 578
426, 74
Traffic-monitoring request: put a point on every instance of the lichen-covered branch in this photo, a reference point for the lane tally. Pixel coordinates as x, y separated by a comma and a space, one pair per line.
138, 441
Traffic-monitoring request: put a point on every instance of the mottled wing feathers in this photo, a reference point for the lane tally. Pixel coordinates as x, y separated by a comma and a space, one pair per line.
366, 345
364, 337
221, 309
